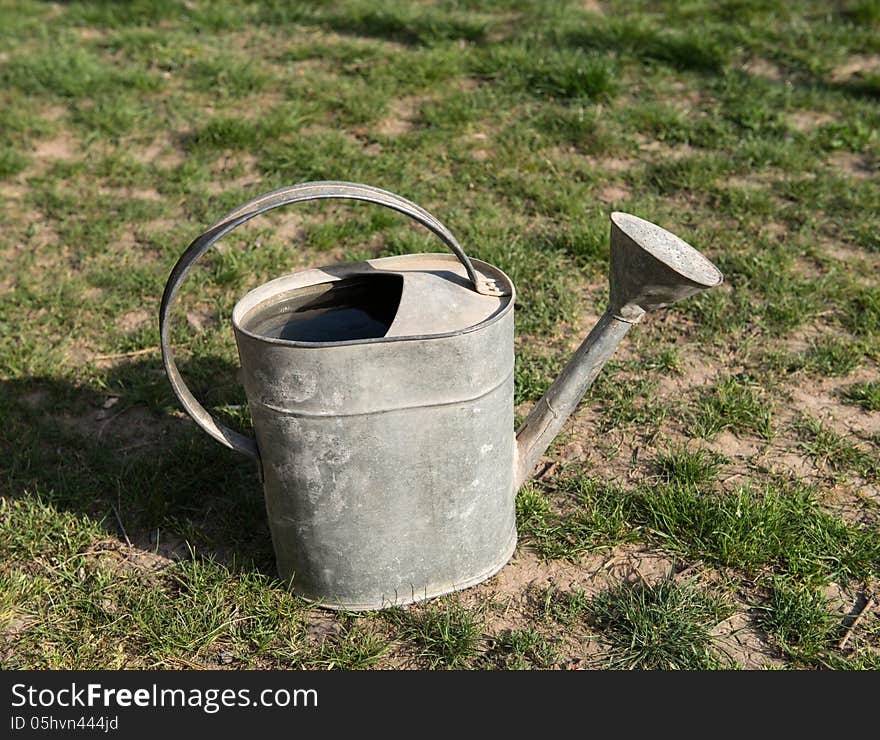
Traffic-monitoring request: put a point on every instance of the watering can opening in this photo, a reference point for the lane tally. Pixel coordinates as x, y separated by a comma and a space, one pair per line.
357, 307
386, 299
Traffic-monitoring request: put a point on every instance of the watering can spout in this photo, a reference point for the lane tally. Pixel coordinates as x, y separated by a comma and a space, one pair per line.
650, 268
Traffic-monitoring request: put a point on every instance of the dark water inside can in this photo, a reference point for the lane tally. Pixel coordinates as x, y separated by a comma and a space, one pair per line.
362, 307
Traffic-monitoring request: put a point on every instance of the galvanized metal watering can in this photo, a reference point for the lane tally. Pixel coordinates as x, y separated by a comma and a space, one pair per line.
381, 394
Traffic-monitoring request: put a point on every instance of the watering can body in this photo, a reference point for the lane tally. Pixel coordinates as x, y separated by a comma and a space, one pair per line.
381, 394
387, 461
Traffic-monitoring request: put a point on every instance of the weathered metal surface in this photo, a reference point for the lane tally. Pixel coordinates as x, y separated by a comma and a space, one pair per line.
389, 461
388, 466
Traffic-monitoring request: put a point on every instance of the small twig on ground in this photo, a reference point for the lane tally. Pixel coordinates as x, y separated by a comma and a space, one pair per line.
121, 525
133, 353
509, 604
641, 577
546, 471
869, 604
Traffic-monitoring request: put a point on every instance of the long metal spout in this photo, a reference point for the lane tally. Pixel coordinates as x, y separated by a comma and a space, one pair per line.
650, 268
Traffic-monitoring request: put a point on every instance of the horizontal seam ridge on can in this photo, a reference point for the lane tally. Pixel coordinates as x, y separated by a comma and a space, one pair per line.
307, 414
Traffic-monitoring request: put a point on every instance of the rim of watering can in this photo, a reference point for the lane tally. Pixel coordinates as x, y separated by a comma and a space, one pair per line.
239, 314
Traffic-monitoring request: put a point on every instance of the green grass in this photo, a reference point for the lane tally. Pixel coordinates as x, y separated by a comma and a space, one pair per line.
627, 400
564, 607
828, 358
732, 404
586, 516
689, 468
798, 620
866, 395
522, 649
665, 626
571, 74
748, 128
835, 451
445, 632
776, 528
353, 648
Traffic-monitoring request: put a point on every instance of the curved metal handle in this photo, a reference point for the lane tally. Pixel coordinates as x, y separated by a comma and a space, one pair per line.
254, 207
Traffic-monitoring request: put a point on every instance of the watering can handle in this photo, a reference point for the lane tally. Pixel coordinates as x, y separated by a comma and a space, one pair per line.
254, 207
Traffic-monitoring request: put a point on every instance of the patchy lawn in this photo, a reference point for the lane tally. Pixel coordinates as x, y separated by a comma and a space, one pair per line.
713, 503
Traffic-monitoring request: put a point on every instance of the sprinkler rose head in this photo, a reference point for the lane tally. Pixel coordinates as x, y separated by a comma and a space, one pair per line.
652, 268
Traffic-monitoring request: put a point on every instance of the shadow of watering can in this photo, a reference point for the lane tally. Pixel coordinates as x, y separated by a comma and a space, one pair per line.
382, 401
